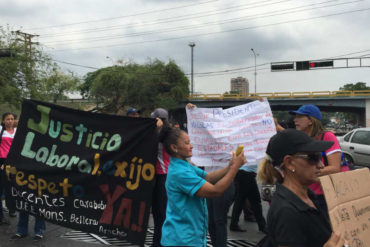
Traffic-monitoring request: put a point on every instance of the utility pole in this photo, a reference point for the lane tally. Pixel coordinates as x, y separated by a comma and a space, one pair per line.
192, 44
27, 39
29, 78
255, 71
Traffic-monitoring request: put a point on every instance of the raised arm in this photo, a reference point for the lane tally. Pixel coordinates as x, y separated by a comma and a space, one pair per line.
214, 176
222, 178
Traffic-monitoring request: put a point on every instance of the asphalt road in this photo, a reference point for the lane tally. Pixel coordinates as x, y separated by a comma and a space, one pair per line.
57, 236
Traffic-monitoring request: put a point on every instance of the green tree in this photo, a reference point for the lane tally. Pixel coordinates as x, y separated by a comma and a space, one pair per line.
58, 84
350, 116
154, 84
29, 72
357, 86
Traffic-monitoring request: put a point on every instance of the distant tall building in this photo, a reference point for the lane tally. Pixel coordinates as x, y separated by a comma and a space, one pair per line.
240, 85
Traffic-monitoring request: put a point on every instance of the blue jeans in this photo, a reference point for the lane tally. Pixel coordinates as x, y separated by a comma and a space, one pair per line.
1, 210
217, 216
22, 226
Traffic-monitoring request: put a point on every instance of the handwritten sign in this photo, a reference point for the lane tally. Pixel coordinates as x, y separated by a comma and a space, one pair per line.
347, 195
81, 170
216, 132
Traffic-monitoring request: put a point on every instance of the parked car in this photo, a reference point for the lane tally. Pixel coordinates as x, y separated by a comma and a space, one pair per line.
356, 146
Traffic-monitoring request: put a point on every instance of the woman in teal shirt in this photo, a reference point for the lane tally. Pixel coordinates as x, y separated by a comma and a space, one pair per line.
187, 187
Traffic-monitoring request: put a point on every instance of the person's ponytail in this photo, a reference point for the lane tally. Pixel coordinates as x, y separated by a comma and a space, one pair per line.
267, 173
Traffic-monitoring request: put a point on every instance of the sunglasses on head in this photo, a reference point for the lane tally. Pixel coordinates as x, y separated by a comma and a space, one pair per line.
312, 158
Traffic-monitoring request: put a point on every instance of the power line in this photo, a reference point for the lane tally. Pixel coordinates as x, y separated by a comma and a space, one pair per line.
233, 72
216, 32
177, 18
119, 17
200, 73
211, 73
204, 25
349, 54
73, 64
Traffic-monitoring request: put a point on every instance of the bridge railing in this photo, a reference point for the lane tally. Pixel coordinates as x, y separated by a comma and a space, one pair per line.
313, 94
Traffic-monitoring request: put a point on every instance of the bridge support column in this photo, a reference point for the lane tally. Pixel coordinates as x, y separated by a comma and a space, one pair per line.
367, 113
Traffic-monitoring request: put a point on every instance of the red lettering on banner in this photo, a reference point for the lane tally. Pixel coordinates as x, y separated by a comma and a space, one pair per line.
124, 213
107, 215
138, 227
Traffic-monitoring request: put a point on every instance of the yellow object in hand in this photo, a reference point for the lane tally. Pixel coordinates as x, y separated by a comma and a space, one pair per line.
239, 150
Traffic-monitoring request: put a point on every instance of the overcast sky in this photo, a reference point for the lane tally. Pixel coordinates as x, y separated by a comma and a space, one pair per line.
96, 34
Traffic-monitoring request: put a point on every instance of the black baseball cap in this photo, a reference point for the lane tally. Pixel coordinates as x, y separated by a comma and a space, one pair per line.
292, 141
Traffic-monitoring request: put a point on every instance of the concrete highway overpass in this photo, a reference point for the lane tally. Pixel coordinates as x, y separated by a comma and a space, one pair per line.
338, 101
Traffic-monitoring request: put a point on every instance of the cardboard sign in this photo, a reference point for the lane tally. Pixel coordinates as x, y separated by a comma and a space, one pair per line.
86, 171
347, 195
216, 132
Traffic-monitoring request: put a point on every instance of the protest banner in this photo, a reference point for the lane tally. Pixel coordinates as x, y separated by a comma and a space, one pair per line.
216, 132
86, 171
347, 195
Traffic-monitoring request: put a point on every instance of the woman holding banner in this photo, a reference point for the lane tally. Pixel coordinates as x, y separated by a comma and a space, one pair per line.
7, 132
187, 187
293, 159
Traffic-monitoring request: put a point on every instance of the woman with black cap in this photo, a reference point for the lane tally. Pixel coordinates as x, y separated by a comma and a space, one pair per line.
293, 161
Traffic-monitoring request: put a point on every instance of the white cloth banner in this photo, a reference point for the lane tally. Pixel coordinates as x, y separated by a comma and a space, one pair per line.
215, 133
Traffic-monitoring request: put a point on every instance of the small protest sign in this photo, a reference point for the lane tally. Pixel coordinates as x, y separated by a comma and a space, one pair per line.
86, 171
216, 132
347, 195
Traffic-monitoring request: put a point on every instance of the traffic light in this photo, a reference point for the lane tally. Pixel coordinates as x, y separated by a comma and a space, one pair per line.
302, 65
306, 65
282, 66
319, 64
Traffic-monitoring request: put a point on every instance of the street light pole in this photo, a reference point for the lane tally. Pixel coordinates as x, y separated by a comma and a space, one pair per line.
192, 44
255, 71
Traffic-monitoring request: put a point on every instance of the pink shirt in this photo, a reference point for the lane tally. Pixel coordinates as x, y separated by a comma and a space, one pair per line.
6, 142
328, 136
163, 159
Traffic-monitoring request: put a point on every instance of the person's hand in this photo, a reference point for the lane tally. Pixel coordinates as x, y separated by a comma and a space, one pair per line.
238, 160
2, 167
335, 240
190, 106
159, 123
278, 126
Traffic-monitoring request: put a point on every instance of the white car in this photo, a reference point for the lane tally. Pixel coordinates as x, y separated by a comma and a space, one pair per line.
356, 146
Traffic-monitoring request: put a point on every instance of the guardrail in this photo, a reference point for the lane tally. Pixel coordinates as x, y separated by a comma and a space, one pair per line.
314, 94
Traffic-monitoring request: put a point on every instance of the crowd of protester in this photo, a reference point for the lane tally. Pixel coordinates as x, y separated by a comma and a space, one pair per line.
190, 200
